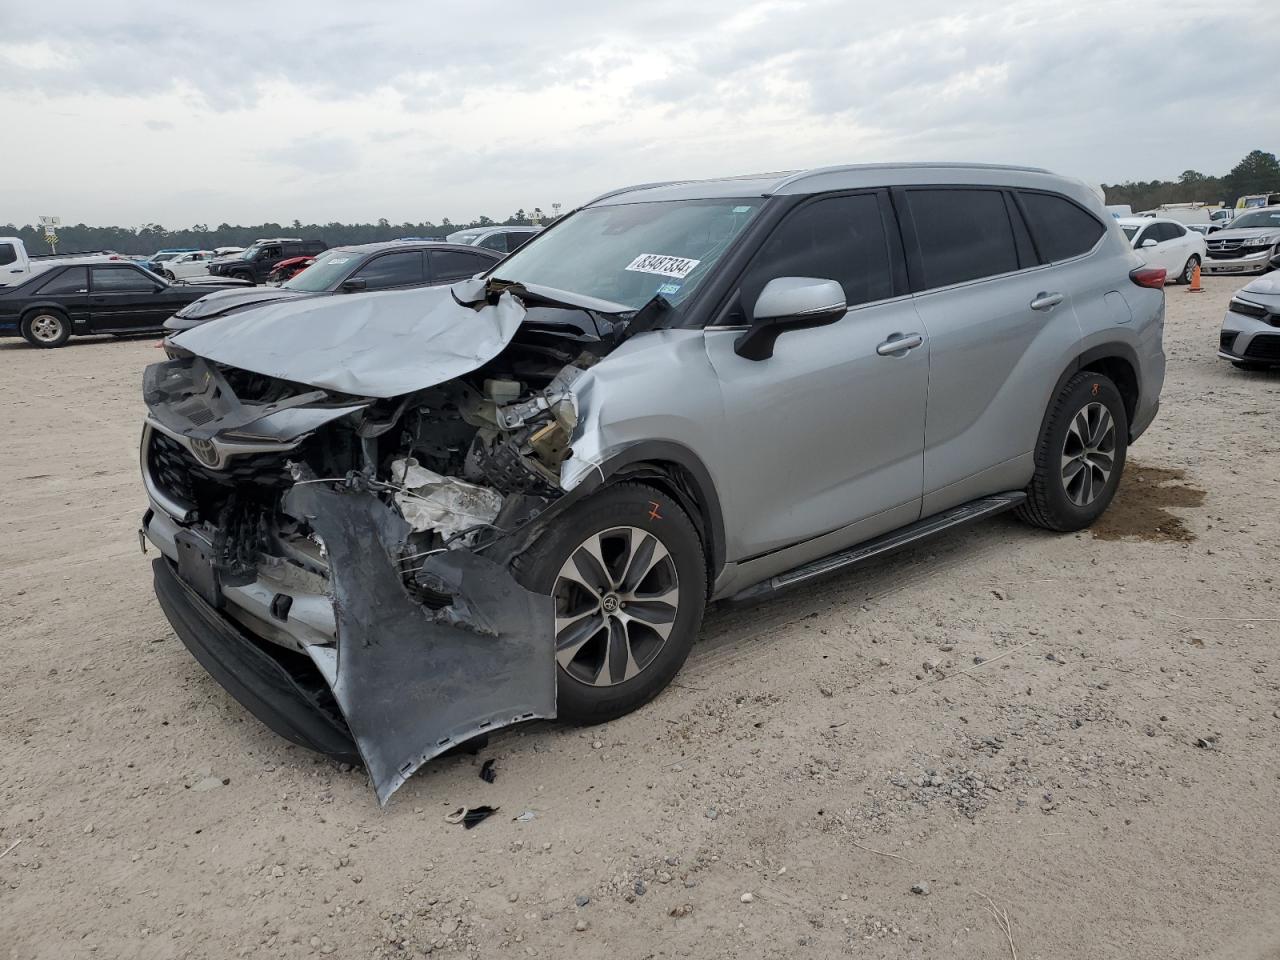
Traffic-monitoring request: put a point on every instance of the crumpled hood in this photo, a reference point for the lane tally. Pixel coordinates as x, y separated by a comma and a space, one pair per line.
224, 301
374, 345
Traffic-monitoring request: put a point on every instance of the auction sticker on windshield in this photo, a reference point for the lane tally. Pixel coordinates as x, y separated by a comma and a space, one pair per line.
664, 266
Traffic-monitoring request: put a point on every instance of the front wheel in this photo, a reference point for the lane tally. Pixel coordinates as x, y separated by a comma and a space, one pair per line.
169, 275
46, 328
1080, 455
626, 570
1185, 276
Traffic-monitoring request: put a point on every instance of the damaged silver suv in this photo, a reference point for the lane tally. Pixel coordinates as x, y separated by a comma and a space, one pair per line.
390, 524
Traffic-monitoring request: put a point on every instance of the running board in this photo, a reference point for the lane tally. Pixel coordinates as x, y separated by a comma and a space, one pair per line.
896, 540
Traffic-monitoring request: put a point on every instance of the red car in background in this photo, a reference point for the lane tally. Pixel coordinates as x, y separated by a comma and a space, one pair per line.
287, 269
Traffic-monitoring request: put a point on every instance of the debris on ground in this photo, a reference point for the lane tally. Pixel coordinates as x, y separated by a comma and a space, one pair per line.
469, 817
487, 773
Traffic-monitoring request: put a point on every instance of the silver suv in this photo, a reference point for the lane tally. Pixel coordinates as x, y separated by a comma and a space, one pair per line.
391, 525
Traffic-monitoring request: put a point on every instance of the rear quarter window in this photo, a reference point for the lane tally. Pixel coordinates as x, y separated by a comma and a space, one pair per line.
1060, 228
8, 254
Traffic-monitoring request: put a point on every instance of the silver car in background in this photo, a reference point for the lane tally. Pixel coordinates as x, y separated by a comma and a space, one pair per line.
517, 495
1250, 336
1248, 245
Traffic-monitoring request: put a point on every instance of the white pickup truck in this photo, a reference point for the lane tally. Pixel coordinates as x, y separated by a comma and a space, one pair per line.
16, 265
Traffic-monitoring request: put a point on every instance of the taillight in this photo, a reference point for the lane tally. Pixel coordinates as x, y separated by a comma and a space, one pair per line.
1152, 277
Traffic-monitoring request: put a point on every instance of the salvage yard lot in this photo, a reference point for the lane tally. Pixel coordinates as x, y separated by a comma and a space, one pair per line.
1106, 773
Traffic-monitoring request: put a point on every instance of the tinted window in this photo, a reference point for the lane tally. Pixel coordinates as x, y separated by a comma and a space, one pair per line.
270, 253
962, 235
1061, 229
1148, 233
494, 241
517, 240
1170, 231
392, 270
839, 238
71, 280
8, 254
119, 280
455, 265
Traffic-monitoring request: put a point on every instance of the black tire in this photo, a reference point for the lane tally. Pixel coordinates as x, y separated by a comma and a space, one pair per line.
650, 511
1050, 504
1185, 276
168, 275
35, 323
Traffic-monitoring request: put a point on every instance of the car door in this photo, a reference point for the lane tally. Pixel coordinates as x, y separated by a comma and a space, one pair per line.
122, 297
999, 323
822, 443
69, 289
385, 271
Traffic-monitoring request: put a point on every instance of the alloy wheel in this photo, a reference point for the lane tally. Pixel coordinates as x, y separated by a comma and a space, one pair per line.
46, 328
1088, 454
616, 596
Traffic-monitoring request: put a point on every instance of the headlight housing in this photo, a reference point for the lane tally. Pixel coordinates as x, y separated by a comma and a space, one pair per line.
1265, 241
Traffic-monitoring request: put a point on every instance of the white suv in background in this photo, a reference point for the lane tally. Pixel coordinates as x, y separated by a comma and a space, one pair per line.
1165, 243
187, 265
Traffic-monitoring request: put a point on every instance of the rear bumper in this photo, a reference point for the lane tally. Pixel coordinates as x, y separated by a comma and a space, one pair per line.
282, 689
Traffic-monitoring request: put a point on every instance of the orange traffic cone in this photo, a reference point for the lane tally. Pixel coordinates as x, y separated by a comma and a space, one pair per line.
1195, 279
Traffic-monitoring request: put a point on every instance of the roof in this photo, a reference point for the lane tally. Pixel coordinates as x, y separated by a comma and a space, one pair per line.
414, 244
1143, 221
820, 179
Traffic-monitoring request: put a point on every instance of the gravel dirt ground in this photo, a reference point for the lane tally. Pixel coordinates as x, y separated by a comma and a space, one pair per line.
832, 774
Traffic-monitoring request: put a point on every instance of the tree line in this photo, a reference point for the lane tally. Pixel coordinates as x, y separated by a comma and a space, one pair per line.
1258, 172
151, 237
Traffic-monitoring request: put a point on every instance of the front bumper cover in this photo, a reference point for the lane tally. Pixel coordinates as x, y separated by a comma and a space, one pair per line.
400, 683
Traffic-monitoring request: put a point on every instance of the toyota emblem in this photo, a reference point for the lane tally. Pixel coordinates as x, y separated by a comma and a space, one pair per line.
206, 452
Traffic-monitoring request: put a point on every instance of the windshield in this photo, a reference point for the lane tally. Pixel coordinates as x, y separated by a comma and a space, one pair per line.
1259, 218
1129, 232
330, 267
250, 252
629, 253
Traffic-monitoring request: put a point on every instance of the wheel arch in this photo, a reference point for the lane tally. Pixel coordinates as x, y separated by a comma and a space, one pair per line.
678, 472
1115, 360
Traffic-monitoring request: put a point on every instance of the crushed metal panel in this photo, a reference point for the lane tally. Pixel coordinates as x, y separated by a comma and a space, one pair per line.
413, 682
383, 344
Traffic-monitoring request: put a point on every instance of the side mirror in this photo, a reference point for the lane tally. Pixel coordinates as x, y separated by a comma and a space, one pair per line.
789, 303
353, 285
1149, 242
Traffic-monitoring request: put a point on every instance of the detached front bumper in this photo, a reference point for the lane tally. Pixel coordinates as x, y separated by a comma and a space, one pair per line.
366, 667
283, 690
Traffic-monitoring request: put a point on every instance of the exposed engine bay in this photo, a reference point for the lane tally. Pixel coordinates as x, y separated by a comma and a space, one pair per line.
373, 534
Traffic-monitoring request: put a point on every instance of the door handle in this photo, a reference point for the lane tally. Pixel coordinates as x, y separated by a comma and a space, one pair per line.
1046, 301
899, 343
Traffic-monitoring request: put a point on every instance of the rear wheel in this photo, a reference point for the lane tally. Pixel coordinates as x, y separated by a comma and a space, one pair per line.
626, 570
46, 328
1185, 276
1080, 455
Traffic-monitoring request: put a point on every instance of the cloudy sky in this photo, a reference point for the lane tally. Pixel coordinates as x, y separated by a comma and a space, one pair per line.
181, 113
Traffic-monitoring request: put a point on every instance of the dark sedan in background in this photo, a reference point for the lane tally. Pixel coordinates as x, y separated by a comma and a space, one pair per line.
113, 296
390, 265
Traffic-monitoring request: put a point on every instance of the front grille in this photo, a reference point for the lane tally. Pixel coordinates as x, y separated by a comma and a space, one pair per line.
1230, 249
181, 476
1265, 346
1226, 341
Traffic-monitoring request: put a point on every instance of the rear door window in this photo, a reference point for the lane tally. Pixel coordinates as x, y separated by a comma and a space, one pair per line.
494, 241
455, 265
835, 238
1061, 229
392, 270
8, 254
1171, 231
517, 240
70, 280
120, 280
961, 234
